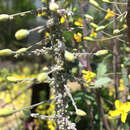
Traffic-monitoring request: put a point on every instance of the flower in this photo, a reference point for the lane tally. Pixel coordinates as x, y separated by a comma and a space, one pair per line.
121, 109
78, 37
41, 14
110, 14
79, 22
62, 19
88, 76
47, 34
93, 34
121, 87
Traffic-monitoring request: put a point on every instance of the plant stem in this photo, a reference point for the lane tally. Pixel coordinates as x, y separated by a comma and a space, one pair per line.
101, 111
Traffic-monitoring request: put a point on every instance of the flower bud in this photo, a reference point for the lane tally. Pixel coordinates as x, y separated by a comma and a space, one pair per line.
69, 56
80, 112
22, 50
21, 34
45, 69
94, 3
53, 6
101, 52
94, 25
88, 38
127, 49
88, 17
100, 28
6, 112
107, 1
74, 70
12, 79
6, 52
42, 77
4, 17
116, 31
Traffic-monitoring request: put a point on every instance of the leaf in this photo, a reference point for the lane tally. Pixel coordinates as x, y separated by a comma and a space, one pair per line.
102, 81
68, 35
101, 70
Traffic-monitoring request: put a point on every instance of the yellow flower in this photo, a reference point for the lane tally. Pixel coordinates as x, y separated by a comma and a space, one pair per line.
62, 19
78, 37
110, 14
121, 87
111, 91
93, 34
47, 34
79, 22
88, 76
1, 79
41, 14
121, 109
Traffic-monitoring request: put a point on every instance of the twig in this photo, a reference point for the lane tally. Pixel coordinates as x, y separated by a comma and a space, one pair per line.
69, 94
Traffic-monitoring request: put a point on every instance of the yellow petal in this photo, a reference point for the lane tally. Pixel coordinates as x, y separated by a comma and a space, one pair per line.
123, 116
114, 113
118, 104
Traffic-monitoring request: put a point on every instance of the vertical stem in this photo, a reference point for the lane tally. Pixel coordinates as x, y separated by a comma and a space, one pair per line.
101, 111
85, 34
128, 20
116, 58
105, 123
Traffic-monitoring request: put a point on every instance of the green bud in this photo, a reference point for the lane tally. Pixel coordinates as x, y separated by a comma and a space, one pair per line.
94, 25
88, 38
100, 28
21, 34
42, 77
107, 1
22, 50
127, 49
6, 112
6, 52
88, 17
74, 70
45, 69
94, 3
101, 52
12, 79
69, 56
4, 17
116, 31
80, 112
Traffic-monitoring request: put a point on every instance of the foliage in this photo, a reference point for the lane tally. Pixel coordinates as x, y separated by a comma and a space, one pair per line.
83, 42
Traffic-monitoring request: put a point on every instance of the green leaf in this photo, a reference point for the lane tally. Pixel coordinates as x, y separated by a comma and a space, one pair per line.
68, 35
101, 70
102, 81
